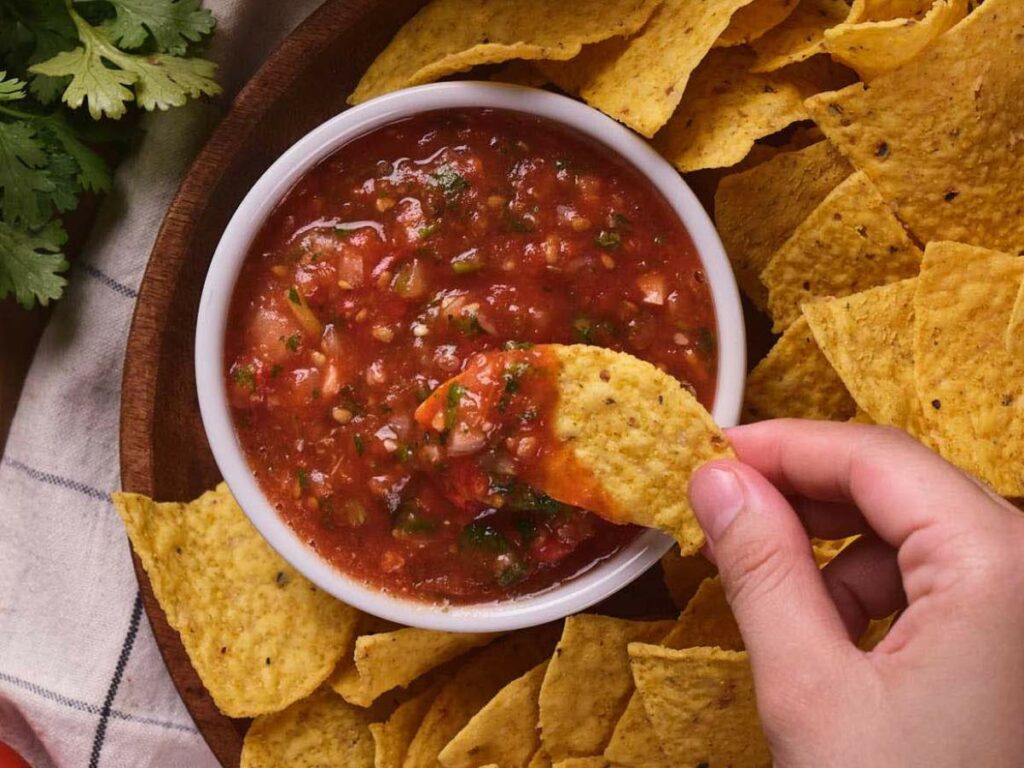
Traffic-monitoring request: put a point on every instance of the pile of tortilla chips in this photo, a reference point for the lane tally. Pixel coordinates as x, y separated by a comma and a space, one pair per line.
886, 248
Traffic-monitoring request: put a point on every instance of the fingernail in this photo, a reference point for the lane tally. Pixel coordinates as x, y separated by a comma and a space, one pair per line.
717, 497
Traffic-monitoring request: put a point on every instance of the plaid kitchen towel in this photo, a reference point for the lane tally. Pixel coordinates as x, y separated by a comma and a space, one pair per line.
81, 680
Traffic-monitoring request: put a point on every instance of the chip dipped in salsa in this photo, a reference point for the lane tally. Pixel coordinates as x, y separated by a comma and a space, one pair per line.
380, 275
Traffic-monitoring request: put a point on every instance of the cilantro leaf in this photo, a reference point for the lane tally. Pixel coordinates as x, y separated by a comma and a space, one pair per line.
11, 89
93, 173
24, 180
173, 23
101, 73
45, 30
30, 264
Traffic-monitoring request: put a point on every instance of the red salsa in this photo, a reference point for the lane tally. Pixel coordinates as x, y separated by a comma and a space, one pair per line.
381, 274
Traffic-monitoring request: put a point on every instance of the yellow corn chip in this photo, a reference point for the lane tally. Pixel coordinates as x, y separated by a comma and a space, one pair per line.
726, 108
796, 381
850, 242
875, 633
869, 339
449, 36
701, 704
756, 211
257, 632
640, 433
885, 10
940, 137
825, 550
394, 659
876, 47
540, 760
707, 620
752, 21
578, 719
472, 686
520, 72
1015, 330
640, 82
683, 575
392, 738
971, 388
800, 36
583, 762
318, 731
504, 731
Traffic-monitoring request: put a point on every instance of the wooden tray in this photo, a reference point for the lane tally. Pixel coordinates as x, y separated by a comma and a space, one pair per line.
164, 453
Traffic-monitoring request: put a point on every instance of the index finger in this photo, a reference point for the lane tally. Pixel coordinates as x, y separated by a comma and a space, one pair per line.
898, 484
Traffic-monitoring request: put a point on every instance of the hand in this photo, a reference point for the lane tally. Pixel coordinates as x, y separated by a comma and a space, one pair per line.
946, 685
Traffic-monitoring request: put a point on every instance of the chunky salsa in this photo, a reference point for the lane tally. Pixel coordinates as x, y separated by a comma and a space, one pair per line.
380, 275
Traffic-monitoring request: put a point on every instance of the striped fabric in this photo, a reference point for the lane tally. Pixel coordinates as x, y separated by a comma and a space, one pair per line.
82, 683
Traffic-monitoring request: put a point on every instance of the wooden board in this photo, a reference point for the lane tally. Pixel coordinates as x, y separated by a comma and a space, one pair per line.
164, 452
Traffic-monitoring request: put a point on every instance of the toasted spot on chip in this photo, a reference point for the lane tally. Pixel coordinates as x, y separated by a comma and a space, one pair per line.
320, 730
850, 242
869, 339
752, 21
707, 620
1015, 329
701, 704
391, 738
757, 210
449, 36
474, 684
259, 634
940, 137
395, 659
683, 575
504, 731
726, 108
576, 720
800, 36
640, 82
796, 381
970, 386
873, 48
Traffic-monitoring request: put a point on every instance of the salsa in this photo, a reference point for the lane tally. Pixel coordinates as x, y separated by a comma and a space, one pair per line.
380, 275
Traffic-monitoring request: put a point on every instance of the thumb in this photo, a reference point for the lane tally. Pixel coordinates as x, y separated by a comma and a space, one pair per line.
773, 585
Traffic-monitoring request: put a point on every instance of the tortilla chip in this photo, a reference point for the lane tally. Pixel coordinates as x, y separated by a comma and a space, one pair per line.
885, 10
726, 108
1015, 329
754, 20
392, 738
875, 633
707, 620
449, 36
684, 575
540, 760
588, 683
504, 731
641, 81
318, 731
876, 47
800, 36
583, 762
639, 433
971, 388
259, 634
825, 550
474, 684
394, 659
520, 72
796, 381
701, 704
850, 242
868, 339
756, 211
940, 137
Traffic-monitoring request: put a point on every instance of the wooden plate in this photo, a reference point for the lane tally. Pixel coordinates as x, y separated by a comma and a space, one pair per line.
164, 452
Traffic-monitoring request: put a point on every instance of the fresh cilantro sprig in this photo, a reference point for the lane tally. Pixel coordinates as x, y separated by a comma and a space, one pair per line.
57, 56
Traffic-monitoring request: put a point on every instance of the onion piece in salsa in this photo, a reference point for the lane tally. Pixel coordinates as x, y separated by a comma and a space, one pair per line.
387, 268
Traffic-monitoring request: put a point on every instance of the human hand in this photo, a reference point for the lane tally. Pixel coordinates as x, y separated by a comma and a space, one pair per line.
946, 685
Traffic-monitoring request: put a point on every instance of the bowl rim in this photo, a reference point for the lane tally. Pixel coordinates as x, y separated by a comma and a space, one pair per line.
582, 591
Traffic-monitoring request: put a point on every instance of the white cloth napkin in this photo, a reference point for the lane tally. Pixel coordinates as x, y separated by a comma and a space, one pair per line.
81, 681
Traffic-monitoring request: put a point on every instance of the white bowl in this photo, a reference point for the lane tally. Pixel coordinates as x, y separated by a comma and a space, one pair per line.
563, 599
